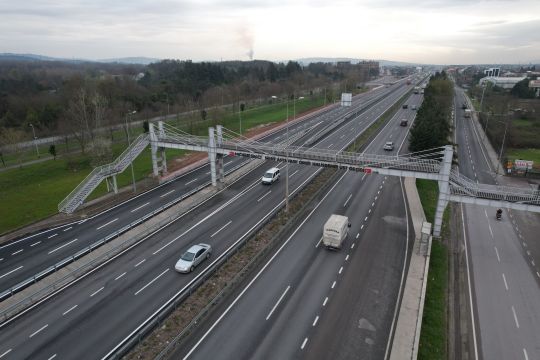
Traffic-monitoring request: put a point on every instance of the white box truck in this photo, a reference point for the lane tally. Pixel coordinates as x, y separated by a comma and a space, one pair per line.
335, 231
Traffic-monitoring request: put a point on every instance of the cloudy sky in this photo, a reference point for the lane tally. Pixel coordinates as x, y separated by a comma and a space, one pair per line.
424, 31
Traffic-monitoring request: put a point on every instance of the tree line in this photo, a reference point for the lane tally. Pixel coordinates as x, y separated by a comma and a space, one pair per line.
432, 126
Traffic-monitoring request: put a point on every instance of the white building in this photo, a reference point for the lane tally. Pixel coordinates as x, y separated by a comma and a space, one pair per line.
504, 82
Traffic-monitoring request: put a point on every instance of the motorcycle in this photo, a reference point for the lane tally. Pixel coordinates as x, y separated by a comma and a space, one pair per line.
499, 214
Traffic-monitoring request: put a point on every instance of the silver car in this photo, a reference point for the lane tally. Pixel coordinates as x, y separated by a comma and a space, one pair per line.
388, 146
193, 257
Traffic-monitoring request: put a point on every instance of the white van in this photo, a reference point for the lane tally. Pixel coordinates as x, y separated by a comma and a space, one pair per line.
270, 176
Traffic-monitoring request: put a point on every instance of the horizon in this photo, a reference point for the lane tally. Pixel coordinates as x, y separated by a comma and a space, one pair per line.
438, 32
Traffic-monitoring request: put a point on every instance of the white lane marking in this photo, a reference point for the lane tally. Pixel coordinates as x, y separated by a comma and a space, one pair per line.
1, 259
369, 211
189, 182
294, 173
365, 219
315, 321
538, 274
341, 137
5, 353
347, 257
52, 357
208, 173
69, 228
120, 276
12, 271
340, 270
361, 227
329, 146
151, 282
140, 262
265, 195
58, 248
490, 231
376, 198
318, 243
325, 301
34, 244
50, 237
277, 303
167, 193
16, 252
304, 343
110, 222
515, 316
497, 252
525, 355
98, 290
357, 235
227, 163
352, 246
333, 284
221, 228
140, 207
349, 198
37, 331
373, 203
505, 283
69, 310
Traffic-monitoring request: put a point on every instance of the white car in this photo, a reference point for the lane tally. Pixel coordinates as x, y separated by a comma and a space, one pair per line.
389, 146
193, 257
270, 176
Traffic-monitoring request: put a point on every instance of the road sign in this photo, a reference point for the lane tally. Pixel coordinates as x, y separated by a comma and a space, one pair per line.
523, 164
367, 170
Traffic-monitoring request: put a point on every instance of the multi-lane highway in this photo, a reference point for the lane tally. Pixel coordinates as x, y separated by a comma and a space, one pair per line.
94, 314
319, 304
23, 258
503, 273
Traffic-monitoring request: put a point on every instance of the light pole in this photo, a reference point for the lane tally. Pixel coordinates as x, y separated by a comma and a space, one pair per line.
129, 144
287, 165
502, 144
35, 139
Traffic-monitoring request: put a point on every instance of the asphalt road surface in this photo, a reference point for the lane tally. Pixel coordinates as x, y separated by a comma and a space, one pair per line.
505, 282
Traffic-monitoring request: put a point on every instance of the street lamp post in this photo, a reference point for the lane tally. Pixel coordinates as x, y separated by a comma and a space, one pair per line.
502, 144
129, 144
35, 139
287, 165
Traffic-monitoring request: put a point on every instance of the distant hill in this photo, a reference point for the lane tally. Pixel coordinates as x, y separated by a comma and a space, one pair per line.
131, 60
34, 57
307, 61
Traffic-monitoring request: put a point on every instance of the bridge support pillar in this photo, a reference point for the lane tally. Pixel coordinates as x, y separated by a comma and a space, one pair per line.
111, 184
212, 155
219, 159
444, 190
153, 149
163, 157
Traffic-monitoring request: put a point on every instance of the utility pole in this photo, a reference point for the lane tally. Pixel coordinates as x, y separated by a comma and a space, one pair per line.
35, 139
129, 144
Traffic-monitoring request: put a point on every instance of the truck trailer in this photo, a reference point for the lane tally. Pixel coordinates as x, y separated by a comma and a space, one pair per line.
335, 231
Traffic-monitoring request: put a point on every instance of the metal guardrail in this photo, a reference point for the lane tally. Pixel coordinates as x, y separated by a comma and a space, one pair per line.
24, 284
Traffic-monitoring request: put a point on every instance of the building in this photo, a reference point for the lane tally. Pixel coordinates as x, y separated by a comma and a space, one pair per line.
503, 82
492, 72
535, 85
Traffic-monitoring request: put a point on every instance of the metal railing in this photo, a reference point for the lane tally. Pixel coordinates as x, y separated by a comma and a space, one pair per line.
93, 179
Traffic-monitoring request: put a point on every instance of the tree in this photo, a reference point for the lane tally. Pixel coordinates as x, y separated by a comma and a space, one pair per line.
52, 151
146, 126
203, 114
522, 90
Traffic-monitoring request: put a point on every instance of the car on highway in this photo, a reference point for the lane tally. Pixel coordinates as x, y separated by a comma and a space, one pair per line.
270, 176
404, 122
405, 106
389, 146
193, 257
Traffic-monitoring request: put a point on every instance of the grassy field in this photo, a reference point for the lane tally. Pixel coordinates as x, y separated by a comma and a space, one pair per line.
433, 337
525, 154
33, 192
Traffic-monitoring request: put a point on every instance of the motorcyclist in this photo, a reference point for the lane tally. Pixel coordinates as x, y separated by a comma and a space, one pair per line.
499, 213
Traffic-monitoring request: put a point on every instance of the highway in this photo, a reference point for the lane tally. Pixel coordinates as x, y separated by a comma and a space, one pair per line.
503, 271
23, 258
320, 304
98, 311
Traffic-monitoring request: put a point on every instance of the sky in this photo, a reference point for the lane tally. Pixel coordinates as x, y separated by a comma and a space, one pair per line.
420, 31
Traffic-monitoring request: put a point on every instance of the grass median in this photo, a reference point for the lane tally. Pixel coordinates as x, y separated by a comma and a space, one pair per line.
433, 336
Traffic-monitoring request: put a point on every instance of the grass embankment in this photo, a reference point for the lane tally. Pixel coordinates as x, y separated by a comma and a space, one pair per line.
33, 192
433, 336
